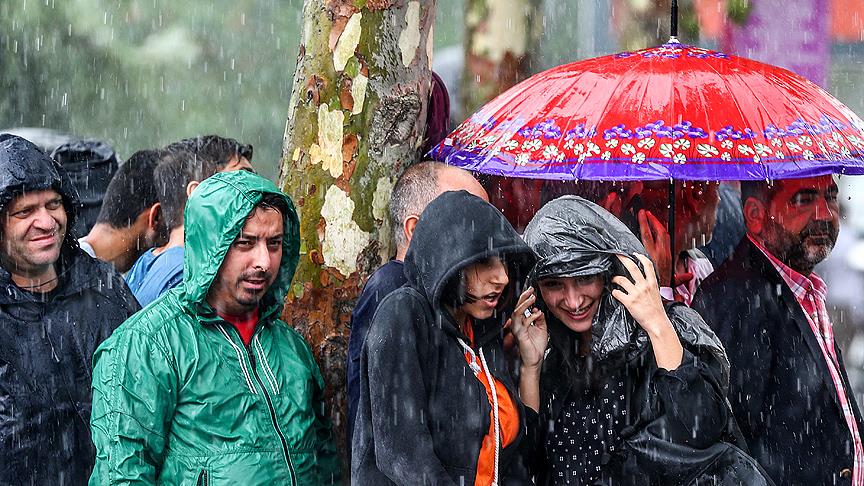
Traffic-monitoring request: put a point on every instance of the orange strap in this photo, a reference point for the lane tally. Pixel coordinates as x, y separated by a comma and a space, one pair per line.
508, 416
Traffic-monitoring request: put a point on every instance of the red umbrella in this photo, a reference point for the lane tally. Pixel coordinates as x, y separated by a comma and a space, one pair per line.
673, 111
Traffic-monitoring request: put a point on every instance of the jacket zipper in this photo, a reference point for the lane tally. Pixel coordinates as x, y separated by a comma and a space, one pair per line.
273, 417
270, 406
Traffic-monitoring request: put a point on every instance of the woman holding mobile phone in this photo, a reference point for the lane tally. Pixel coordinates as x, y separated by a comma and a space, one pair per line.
438, 404
622, 388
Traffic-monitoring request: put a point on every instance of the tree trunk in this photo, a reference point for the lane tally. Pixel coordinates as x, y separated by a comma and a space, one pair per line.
499, 38
357, 119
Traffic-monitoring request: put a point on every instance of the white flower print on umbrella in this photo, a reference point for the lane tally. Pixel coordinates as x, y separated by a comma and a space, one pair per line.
706, 150
646, 143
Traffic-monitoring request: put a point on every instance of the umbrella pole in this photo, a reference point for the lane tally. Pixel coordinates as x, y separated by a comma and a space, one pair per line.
671, 228
673, 28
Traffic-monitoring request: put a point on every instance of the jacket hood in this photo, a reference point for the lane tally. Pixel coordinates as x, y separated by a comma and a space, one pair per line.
456, 230
574, 237
24, 168
214, 215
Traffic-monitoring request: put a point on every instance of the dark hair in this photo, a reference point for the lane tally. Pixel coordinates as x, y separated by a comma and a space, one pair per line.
454, 292
131, 191
414, 190
213, 151
760, 190
565, 362
271, 201
174, 172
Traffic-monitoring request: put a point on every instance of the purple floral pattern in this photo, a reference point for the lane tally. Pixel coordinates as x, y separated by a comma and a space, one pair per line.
548, 144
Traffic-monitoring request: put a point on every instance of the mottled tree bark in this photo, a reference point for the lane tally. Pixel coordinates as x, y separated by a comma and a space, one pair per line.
500, 36
357, 119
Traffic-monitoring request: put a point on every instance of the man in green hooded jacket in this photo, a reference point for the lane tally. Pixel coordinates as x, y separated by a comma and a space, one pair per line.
207, 385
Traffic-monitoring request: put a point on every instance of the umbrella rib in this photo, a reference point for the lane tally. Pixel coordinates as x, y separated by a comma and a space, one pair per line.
570, 121
740, 111
615, 91
763, 114
800, 115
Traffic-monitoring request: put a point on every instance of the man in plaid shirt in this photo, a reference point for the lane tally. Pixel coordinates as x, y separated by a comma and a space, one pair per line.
789, 390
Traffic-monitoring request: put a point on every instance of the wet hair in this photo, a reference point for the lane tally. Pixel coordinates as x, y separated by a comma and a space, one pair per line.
213, 152
759, 190
454, 292
131, 191
271, 201
188, 160
174, 172
414, 190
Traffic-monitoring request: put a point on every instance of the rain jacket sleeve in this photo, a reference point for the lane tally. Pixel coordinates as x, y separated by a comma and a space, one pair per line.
134, 391
685, 405
403, 445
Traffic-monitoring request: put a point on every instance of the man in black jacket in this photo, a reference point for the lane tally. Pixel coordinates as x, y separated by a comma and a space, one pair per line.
415, 189
56, 305
789, 389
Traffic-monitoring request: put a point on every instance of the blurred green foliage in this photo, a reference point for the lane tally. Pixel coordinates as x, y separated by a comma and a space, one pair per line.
143, 73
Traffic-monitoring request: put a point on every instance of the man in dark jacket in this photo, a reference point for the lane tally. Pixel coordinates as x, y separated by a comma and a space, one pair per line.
416, 187
788, 389
56, 305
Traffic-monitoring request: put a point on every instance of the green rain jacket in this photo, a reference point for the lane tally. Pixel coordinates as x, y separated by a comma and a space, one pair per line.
179, 399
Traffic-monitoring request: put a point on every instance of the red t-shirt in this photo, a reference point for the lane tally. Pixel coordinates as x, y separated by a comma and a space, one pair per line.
245, 325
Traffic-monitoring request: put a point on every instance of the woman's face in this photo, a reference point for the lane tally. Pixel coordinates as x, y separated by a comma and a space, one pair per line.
573, 300
484, 284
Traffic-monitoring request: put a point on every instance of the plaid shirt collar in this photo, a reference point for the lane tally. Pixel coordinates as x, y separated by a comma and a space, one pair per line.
798, 284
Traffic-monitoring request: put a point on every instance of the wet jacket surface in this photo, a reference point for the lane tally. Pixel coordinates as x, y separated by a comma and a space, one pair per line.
675, 419
178, 397
385, 280
781, 391
422, 413
47, 342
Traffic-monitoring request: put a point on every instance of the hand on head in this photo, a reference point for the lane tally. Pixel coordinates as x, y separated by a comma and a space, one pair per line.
640, 294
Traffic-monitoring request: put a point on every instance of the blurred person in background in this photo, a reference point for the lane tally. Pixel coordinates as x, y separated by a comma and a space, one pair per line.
90, 165
729, 228
57, 304
843, 273
185, 164
130, 220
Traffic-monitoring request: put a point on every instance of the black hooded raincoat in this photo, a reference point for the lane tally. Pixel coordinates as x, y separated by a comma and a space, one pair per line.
422, 413
674, 420
48, 340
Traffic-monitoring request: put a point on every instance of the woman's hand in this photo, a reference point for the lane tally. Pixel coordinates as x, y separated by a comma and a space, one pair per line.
530, 331
641, 297
532, 335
